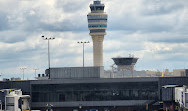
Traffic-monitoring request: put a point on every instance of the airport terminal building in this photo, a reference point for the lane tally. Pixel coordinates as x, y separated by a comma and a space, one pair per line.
103, 94
86, 88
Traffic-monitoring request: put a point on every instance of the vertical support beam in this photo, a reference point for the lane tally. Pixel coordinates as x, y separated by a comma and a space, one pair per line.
49, 56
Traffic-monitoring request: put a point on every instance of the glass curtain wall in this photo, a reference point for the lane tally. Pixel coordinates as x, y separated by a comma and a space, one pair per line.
94, 92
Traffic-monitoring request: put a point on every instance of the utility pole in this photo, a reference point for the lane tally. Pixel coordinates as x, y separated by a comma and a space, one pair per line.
48, 39
23, 69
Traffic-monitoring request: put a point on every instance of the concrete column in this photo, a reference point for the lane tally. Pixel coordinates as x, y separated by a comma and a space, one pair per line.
98, 50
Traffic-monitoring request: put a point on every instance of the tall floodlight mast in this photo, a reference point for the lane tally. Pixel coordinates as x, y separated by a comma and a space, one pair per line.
97, 24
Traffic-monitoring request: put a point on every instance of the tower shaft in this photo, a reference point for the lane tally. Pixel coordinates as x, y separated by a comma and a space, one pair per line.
98, 49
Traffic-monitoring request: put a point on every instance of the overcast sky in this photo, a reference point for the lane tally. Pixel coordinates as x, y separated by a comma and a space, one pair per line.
156, 31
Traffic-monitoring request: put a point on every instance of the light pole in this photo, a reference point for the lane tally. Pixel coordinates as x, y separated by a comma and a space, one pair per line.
35, 69
23, 69
80, 107
1, 105
48, 39
1, 74
81, 42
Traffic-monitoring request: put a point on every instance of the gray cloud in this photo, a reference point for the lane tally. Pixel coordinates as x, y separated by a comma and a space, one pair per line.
168, 37
3, 21
73, 6
147, 16
161, 7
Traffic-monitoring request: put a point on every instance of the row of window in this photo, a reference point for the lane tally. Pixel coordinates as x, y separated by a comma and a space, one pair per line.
94, 92
103, 95
97, 16
96, 25
95, 20
93, 87
97, 31
97, 2
93, 8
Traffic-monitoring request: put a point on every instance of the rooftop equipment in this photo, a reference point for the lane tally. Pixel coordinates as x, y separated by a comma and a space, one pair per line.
125, 63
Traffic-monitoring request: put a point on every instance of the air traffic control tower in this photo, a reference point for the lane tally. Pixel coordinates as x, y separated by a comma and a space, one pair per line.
97, 24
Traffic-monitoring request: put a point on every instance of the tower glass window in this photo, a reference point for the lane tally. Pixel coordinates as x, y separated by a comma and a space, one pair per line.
97, 31
97, 17
97, 2
97, 20
99, 8
96, 25
92, 8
